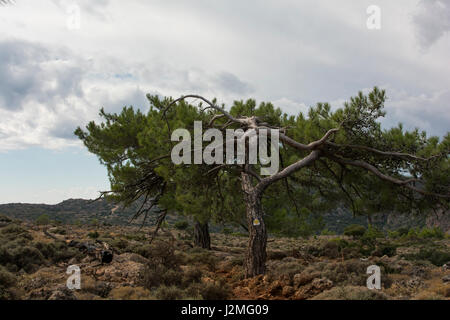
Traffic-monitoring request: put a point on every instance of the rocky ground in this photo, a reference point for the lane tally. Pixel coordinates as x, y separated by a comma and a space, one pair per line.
34, 260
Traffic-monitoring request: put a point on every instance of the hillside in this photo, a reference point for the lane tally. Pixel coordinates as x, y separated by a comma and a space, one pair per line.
83, 211
324, 267
73, 211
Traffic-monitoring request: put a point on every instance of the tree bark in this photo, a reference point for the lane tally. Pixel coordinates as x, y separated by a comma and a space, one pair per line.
201, 235
255, 262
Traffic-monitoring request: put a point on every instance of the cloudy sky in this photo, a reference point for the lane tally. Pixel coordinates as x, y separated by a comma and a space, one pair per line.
60, 61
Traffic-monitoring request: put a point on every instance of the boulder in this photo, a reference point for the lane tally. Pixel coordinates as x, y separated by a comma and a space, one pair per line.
62, 293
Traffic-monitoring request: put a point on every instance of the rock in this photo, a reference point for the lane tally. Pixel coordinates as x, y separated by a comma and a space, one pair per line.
62, 293
285, 280
446, 266
420, 272
322, 284
404, 263
299, 295
446, 278
303, 278
288, 291
414, 282
86, 259
317, 286
130, 257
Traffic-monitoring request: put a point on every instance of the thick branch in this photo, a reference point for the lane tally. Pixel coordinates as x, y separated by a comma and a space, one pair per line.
383, 153
311, 146
379, 174
314, 155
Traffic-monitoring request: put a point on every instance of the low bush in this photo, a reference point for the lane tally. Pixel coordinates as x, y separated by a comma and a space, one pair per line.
351, 293
355, 230
431, 233
57, 251
120, 245
160, 252
191, 275
326, 232
198, 256
213, 291
386, 249
7, 280
21, 257
436, 257
181, 225
130, 293
169, 293
93, 235
371, 235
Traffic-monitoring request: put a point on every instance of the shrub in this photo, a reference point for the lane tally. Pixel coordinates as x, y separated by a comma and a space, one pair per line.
22, 257
237, 261
403, 231
389, 250
430, 233
199, 256
43, 219
181, 225
4, 219
288, 266
16, 233
212, 291
60, 230
160, 252
326, 232
93, 235
7, 280
276, 255
330, 250
355, 231
227, 230
371, 235
436, 257
130, 293
350, 293
349, 272
393, 234
191, 275
413, 234
169, 293
138, 236
121, 245
56, 251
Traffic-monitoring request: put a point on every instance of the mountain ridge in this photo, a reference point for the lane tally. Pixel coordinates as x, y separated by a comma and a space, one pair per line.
77, 210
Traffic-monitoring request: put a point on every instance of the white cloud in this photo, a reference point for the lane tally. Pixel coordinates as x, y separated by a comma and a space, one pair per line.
293, 53
432, 21
426, 111
291, 107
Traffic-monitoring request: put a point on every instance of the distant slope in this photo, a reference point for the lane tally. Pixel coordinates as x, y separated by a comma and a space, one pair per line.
84, 211
73, 210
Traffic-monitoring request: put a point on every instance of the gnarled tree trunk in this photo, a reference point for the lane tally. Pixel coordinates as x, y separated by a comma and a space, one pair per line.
201, 235
256, 250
